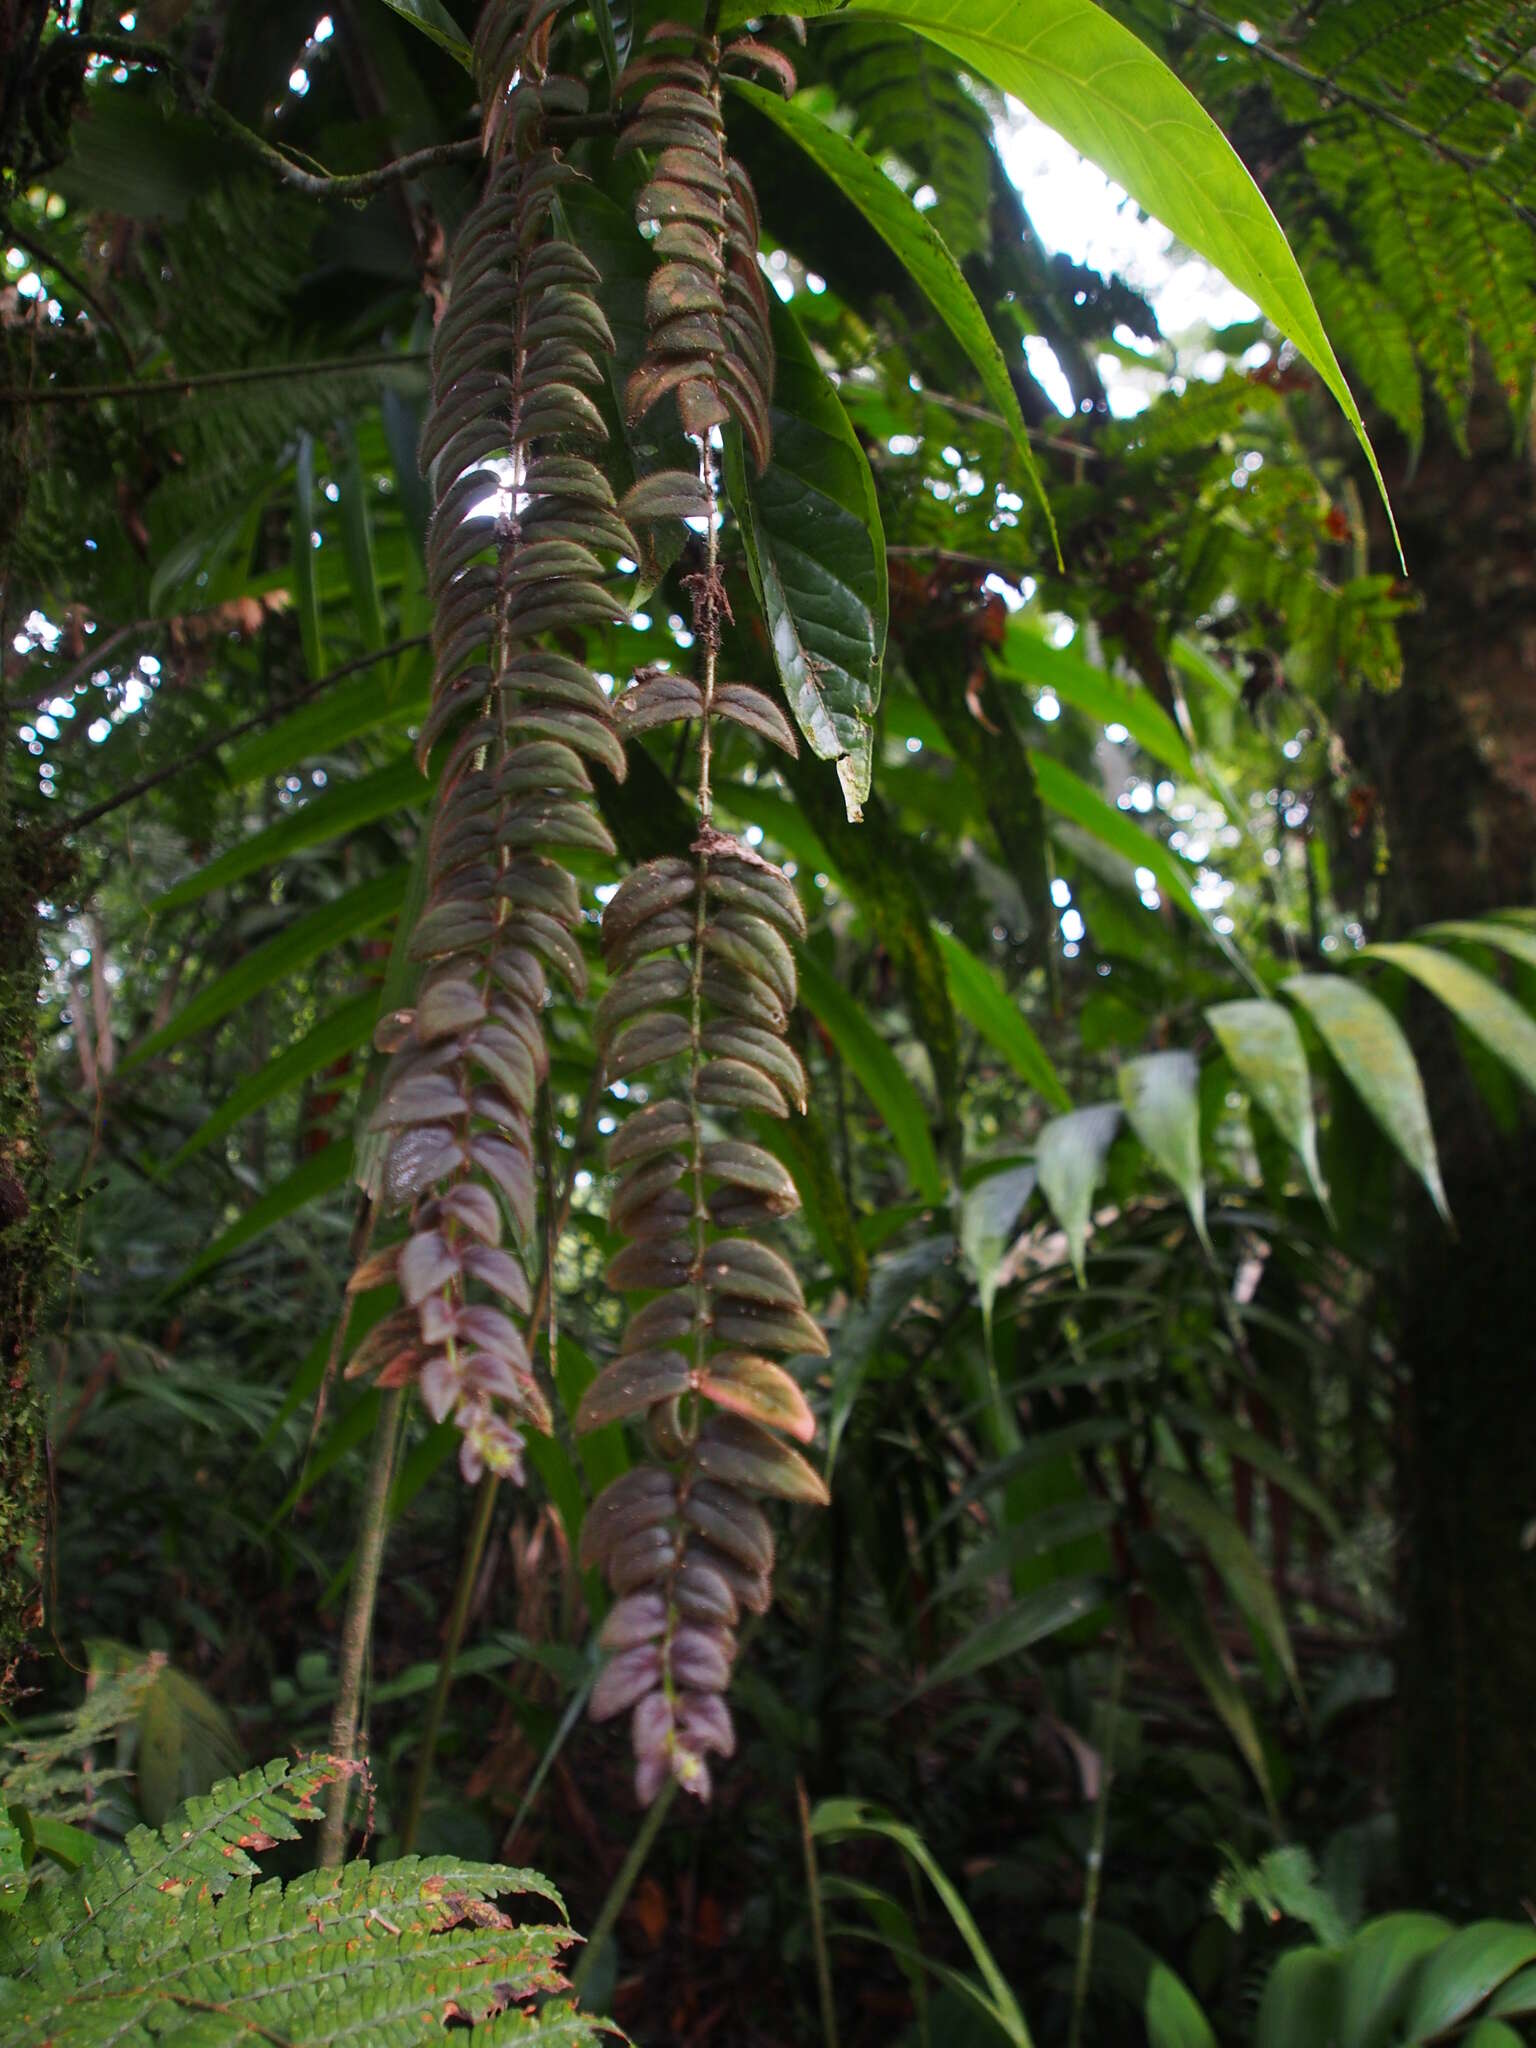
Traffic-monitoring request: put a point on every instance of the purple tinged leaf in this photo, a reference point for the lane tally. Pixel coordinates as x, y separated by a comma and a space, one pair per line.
499, 1271
427, 1263
638, 1499
700, 1659
650, 1730
706, 1721
741, 1454
629, 1677
476, 1209
761, 1390
418, 1158
639, 1619
633, 1383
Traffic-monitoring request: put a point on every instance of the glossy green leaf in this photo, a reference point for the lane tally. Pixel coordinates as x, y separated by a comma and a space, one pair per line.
1118, 104
1262, 1042
1179, 1602
1161, 1093
1069, 1156
1020, 1625
1299, 2000
434, 20
833, 1818
1495, 1019
981, 998
331, 1039
989, 1212
1375, 1971
1233, 1556
321, 1174
357, 544
816, 555
1027, 656
306, 582
1368, 1043
1453, 1982
1516, 1998
1488, 2033
877, 1070
917, 243
317, 932
328, 815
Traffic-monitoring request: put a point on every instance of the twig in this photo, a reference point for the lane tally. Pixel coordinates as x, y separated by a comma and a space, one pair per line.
357, 1628
273, 712
210, 380
24, 238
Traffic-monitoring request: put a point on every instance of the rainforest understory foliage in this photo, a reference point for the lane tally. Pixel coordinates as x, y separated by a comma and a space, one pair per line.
767, 1023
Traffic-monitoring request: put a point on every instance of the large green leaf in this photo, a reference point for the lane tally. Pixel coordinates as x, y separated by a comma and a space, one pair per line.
1299, 2001
434, 20
877, 1070
1179, 1602
1375, 1970
1117, 103
358, 704
1026, 656
1492, 1017
917, 243
339, 810
357, 544
1452, 1983
331, 1039
1161, 1093
1265, 1457
1069, 1157
979, 996
1233, 1556
305, 569
1261, 1040
1367, 1042
816, 553
317, 932
1504, 937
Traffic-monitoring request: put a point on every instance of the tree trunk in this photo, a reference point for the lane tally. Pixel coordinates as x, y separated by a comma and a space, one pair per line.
1452, 757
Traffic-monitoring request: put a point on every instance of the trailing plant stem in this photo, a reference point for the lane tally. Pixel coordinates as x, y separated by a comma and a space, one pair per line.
357, 1628
1094, 1880
624, 1883
818, 1924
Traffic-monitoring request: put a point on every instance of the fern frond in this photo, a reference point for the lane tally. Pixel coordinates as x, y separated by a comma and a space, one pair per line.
174, 1936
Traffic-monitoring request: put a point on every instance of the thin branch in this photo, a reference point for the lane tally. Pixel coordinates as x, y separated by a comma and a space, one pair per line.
273, 712
26, 238
211, 380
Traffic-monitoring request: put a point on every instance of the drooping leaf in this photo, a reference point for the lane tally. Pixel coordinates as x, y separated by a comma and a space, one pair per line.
1261, 1040
331, 1039
1502, 932
1265, 1457
1022, 1624
320, 1174
857, 1339
307, 937
1161, 1093
1300, 2000
816, 554
980, 997
1179, 1602
1492, 1017
877, 1070
434, 21
988, 1214
1233, 1556
357, 544
331, 814
1069, 796
916, 242
305, 577
1069, 1156
1115, 101
1027, 656
1367, 1042
1376, 1968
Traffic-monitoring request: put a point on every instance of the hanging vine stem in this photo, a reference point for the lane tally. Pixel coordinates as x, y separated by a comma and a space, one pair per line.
357, 1628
